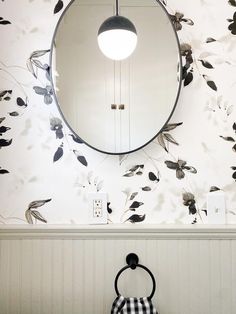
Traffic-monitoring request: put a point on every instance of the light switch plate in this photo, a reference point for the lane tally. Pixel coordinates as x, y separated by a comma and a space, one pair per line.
216, 207
97, 208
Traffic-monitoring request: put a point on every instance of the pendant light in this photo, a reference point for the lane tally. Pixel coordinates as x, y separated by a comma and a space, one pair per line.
117, 37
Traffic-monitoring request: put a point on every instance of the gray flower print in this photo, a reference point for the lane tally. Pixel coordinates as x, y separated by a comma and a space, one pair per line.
56, 125
178, 18
180, 166
46, 92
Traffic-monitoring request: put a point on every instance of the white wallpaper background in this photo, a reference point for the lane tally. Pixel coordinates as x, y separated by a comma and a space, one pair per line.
152, 185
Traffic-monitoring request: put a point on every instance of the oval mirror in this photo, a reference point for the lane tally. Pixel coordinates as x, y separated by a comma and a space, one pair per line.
115, 106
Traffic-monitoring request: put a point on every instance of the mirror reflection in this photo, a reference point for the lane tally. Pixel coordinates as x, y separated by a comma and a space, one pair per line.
115, 106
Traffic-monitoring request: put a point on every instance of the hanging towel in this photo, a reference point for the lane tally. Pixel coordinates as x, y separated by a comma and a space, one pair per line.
123, 305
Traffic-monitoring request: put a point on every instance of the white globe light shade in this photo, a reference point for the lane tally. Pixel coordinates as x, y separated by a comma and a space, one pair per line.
117, 38
117, 44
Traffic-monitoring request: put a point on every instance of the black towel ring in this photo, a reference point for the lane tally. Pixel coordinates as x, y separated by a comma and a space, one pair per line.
132, 261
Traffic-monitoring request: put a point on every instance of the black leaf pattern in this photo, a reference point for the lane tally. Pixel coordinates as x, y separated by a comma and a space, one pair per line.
234, 127
214, 189
4, 22
227, 138
190, 169
180, 174
34, 213
137, 169
133, 195
33, 64
170, 138
4, 143
234, 173
206, 64
4, 129
109, 209
188, 79
31, 68
80, 158
232, 26
58, 6
185, 70
161, 141
129, 174
38, 216
14, 114
3, 171
31, 213
210, 83
2, 94
146, 188
28, 217
210, 40
171, 164
136, 218
20, 102
230, 139
232, 2
38, 53
99, 186
133, 169
5, 95
76, 139
171, 126
38, 64
188, 21
36, 204
192, 209
58, 154
2, 119
135, 205
153, 177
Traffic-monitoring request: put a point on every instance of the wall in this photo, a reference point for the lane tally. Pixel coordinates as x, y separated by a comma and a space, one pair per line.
40, 161
67, 272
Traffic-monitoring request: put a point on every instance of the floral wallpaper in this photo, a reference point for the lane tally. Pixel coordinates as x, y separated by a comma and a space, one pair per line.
46, 173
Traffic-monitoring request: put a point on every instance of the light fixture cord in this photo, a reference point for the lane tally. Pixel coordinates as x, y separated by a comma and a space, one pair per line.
117, 8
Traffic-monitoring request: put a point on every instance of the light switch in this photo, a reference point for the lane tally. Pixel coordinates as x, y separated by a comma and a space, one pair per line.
216, 207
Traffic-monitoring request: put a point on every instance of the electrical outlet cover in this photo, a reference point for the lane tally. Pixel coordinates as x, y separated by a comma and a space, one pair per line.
97, 208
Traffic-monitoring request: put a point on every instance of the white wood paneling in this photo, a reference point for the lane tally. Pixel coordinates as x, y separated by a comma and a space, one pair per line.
73, 274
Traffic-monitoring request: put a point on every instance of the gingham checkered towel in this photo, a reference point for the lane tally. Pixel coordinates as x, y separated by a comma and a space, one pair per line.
123, 305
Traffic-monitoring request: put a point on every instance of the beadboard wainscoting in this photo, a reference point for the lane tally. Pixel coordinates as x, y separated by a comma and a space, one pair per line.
71, 270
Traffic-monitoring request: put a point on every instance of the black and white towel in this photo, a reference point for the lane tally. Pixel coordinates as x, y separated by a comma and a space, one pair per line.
123, 305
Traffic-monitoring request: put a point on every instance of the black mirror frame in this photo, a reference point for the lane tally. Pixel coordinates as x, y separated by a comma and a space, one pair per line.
180, 65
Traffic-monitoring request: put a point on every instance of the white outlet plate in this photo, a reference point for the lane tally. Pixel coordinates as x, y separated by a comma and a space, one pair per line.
97, 208
216, 207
